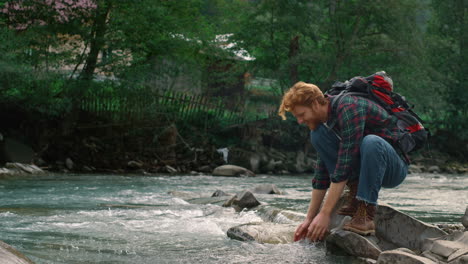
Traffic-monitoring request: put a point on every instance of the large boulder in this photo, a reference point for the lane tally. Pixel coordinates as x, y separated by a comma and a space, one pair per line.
403, 230
402, 256
9, 255
448, 248
232, 171
354, 244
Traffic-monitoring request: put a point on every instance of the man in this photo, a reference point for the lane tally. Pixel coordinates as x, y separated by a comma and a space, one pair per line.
354, 141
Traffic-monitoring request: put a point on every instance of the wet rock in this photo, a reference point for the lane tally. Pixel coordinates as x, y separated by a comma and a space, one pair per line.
460, 260
448, 248
9, 255
244, 200
276, 215
170, 169
365, 261
232, 171
255, 162
134, 165
402, 256
219, 193
403, 230
69, 164
354, 244
433, 169
464, 220
31, 169
263, 232
266, 189
6, 172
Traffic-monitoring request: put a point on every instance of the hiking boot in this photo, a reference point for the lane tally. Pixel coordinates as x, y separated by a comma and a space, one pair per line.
362, 222
351, 204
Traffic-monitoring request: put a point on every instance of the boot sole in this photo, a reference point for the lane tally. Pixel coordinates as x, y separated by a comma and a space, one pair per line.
360, 232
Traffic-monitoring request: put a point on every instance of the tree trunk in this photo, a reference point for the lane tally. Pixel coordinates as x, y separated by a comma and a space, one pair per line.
293, 66
97, 40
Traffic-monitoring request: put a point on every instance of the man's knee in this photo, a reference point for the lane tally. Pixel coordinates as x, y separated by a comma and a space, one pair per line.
371, 143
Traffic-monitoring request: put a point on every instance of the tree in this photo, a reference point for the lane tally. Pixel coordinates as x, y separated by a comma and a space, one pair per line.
325, 41
448, 41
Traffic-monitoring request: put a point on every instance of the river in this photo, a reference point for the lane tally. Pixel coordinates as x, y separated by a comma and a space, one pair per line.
67, 218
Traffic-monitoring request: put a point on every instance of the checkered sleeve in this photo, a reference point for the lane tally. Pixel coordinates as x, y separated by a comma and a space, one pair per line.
321, 178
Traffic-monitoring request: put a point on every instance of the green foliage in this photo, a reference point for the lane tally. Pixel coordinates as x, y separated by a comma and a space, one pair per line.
147, 44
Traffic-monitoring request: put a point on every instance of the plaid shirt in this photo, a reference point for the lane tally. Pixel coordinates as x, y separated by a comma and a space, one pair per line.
353, 118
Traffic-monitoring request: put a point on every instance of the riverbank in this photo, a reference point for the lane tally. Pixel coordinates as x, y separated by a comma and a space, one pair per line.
265, 146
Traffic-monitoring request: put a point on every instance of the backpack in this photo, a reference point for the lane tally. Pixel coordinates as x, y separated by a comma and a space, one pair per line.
378, 87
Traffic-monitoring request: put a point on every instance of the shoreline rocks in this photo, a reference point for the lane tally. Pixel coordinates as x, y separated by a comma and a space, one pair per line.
15, 168
399, 237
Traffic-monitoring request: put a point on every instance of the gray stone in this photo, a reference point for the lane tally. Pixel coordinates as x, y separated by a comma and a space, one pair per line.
433, 257
449, 247
400, 256
433, 169
276, 215
403, 230
7, 172
170, 169
219, 193
232, 171
244, 200
264, 232
31, 169
134, 165
9, 255
254, 162
460, 260
266, 189
354, 244
465, 218
365, 261
69, 163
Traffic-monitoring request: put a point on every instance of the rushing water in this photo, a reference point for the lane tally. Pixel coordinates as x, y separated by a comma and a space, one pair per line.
77, 218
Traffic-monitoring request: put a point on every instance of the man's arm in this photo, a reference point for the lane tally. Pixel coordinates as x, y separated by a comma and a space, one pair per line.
319, 226
314, 206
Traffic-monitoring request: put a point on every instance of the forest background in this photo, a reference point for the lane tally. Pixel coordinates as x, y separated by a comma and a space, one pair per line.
118, 84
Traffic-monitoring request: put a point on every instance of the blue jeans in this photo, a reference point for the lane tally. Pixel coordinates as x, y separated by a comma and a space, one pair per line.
381, 166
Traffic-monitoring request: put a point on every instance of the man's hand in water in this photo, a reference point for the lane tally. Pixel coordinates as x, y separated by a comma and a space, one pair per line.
319, 227
301, 230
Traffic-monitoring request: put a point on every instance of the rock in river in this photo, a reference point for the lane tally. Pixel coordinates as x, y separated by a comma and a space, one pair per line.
232, 171
9, 255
